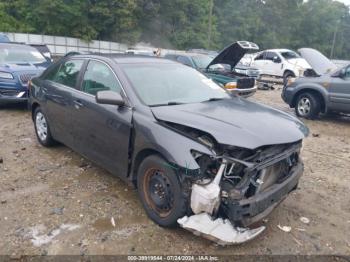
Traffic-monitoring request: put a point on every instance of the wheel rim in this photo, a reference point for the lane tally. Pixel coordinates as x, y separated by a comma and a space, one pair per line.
304, 106
158, 192
41, 126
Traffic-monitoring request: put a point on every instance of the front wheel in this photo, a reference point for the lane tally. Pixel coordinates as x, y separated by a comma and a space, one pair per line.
42, 129
286, 76
308, 105
160, 191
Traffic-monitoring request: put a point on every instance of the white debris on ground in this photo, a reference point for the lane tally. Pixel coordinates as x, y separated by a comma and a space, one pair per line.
305, 220
218, 230
113, 222
39, 238
285, 228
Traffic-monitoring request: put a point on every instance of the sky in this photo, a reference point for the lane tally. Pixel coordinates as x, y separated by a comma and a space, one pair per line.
347, 2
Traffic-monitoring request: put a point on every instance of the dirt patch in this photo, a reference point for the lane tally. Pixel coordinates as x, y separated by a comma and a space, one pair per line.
44, 190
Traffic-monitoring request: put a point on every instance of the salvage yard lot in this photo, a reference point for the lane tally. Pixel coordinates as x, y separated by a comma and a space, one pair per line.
55, 202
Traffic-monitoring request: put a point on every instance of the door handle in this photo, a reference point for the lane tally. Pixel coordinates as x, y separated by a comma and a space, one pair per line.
78, 104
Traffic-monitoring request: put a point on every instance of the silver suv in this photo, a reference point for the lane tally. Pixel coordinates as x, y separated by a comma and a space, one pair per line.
326, 89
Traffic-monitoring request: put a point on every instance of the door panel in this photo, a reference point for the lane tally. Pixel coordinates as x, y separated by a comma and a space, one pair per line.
259, 62
271, 67
340, 93
102, 132
59, 106
58, 87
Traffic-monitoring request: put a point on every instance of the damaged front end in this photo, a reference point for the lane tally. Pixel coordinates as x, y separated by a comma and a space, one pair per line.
238, 187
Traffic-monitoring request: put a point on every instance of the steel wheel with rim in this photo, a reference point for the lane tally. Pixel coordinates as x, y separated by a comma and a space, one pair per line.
159, 194
161, 191
304, 106
42, 128
308, 105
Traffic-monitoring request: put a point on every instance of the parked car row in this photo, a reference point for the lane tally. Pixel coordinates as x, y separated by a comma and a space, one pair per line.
200, 156
222, 67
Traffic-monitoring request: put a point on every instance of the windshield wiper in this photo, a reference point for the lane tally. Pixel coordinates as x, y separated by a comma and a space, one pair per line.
171, 103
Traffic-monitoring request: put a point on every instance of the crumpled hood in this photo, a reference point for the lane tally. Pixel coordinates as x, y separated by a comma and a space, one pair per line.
236, 122
320, 64
233, 53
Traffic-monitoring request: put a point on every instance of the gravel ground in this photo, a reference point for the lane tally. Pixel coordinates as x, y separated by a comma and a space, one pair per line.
55, 202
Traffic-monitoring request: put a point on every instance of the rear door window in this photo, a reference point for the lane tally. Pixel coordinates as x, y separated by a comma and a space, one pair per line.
68, 73
260, 57
99, 77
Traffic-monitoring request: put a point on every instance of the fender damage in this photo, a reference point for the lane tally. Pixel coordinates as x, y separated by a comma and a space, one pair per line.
241, 180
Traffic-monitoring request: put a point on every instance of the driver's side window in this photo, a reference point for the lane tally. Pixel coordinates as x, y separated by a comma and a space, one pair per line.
99, 77
270, 56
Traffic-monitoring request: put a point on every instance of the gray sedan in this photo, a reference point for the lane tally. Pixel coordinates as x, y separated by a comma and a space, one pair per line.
197, 156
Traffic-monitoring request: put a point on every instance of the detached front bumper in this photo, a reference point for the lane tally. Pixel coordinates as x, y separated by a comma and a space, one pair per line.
248, 211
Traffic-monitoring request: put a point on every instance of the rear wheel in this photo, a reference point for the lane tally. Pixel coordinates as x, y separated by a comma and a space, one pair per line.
42, 129
308, 105
160, 191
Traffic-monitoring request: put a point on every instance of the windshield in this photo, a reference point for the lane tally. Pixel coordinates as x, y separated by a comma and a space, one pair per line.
202, 61
160, 84
290, 55
15, 55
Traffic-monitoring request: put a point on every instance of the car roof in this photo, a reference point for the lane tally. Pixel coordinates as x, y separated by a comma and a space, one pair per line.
188, 54
278, 50
128, 59
15, 46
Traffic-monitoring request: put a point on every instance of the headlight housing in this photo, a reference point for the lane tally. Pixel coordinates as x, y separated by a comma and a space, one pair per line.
6, 75
231, 85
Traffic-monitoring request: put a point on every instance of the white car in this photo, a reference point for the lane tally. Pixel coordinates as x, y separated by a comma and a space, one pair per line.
281, 63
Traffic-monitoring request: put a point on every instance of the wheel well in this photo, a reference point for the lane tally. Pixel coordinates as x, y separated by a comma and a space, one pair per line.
310, 91
34, 106
288, 71
138, 160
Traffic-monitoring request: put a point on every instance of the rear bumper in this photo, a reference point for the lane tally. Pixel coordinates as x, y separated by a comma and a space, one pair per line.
248, 211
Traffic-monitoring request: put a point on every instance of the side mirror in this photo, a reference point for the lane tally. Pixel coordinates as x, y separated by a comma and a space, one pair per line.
109, 98
276, 59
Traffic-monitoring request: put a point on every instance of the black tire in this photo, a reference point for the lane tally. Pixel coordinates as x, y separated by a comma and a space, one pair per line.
160, 191
308, 105
286, 76
45, 139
